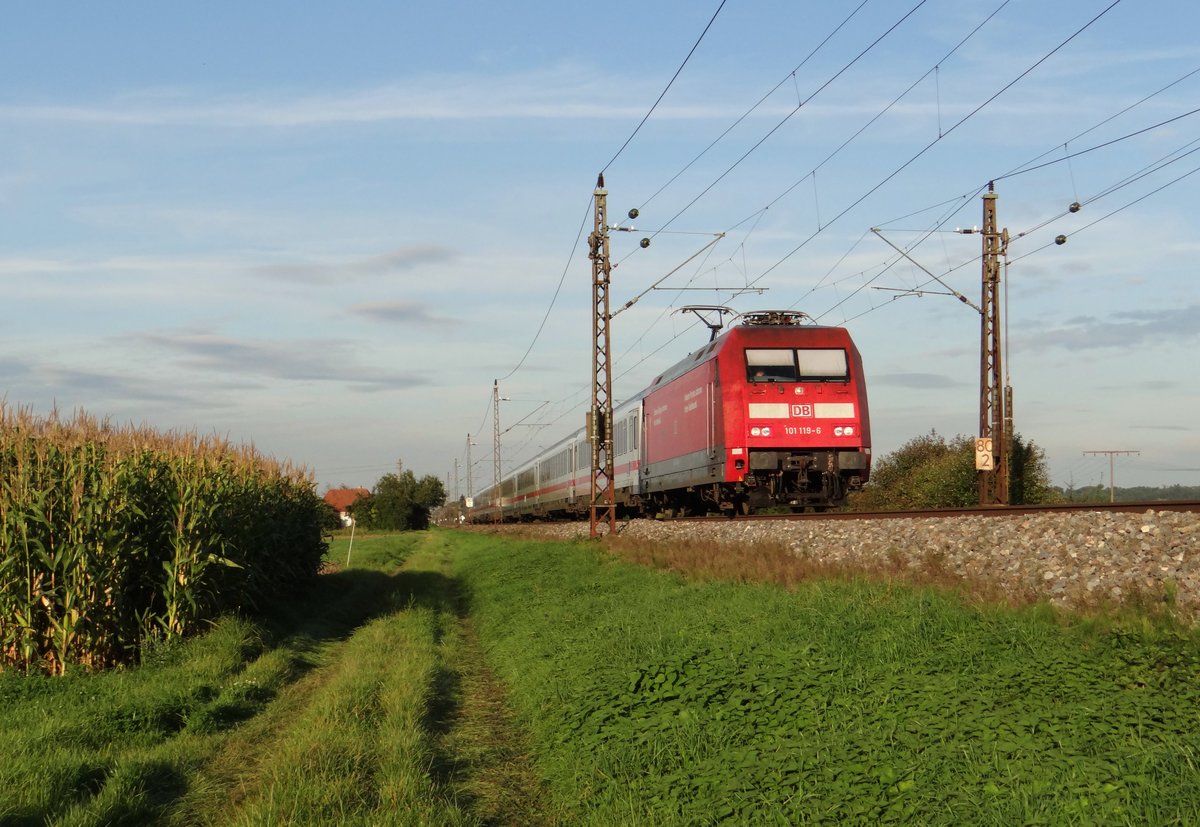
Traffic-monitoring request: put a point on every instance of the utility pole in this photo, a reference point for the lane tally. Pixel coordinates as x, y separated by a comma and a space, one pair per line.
993, 446
499, 499
992, 449
456, 488
1112, 480
599, 419
470, 475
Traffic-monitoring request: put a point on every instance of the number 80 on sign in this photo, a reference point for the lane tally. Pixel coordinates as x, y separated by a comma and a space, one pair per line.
984, 460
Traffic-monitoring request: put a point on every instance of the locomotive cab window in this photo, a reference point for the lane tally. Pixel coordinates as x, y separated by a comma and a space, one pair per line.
823, 365
787, 365
775, 365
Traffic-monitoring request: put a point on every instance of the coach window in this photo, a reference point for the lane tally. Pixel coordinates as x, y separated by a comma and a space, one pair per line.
823, 365
775, 365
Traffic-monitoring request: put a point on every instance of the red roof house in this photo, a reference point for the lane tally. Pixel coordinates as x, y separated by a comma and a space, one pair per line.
342, 498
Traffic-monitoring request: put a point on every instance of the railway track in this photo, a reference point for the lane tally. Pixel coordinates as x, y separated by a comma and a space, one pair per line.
990, 511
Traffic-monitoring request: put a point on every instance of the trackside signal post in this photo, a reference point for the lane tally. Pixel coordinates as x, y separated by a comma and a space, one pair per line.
599, 418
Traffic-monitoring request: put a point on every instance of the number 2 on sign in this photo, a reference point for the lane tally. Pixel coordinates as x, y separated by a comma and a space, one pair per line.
983, 454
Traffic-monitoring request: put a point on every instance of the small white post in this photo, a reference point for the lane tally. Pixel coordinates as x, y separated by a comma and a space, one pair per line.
353, 523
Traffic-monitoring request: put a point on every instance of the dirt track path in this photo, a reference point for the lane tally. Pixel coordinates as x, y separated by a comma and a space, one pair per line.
397, 719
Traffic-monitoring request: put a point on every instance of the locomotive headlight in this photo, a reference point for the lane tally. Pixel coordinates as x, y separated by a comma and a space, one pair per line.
766, 431
756, 432
838, 431
848, 430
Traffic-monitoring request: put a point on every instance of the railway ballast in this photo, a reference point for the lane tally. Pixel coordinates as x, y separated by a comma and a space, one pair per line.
1073, 559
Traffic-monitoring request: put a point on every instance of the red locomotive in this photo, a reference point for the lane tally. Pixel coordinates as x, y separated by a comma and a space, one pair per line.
773, 412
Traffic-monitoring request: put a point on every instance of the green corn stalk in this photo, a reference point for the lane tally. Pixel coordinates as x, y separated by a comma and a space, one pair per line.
111, 536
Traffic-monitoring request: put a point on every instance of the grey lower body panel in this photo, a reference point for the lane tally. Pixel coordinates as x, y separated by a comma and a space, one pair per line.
697, 468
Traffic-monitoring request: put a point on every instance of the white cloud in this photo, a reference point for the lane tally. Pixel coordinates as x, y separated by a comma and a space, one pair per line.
325, 272
1123, 329
555, 92
399, 312
296, 360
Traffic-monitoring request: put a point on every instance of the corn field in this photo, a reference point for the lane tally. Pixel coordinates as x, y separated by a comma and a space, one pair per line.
113, 538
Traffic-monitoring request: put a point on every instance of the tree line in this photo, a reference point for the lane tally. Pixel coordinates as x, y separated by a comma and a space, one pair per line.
398, 502
930, 471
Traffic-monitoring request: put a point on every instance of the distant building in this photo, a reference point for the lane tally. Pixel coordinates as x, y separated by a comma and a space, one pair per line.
340, 499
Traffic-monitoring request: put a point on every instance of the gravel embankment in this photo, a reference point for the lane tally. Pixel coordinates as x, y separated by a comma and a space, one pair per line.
1075, 559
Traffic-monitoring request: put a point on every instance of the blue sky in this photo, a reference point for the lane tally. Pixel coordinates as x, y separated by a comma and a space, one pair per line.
327, 230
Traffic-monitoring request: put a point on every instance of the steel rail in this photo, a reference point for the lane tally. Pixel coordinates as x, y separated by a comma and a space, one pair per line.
989, 511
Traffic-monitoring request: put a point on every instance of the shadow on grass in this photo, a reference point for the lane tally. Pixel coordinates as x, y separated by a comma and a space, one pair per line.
331, 609
334, 608
172, 692
449, 600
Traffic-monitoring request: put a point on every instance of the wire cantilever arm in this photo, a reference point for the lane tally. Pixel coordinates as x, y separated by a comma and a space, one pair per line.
953, 292
675, 270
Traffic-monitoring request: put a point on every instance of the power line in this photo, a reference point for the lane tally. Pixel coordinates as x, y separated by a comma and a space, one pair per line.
1048, 244
787, 117
888, 108
937, 140
1120, 209
1112, 117
1097, 146
1112, 472
760, 102
1149, 169
579, 235
664, 91
759, 213
798, 107
562, 278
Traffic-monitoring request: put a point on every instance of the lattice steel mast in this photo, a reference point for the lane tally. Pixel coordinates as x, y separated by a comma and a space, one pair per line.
600, 426
499, 494
994, 399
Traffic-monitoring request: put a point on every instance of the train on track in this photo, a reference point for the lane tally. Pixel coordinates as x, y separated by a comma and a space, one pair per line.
771, 413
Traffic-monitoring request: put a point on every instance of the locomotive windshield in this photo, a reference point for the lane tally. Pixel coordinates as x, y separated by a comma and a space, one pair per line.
787, 365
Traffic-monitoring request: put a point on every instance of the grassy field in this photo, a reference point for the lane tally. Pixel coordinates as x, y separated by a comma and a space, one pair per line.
327, 713
449, 678
653, 700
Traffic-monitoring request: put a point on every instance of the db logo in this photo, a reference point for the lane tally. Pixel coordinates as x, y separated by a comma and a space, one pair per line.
802, 410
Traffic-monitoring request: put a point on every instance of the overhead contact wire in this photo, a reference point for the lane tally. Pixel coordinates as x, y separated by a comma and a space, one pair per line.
791, 75
937, 140
1143, 131
664, 91
788, 116
562, 278
1017, 170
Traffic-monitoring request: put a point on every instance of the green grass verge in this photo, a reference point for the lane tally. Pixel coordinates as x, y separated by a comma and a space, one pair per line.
361, 749
652, 700
645, 699
368, 550
319, 714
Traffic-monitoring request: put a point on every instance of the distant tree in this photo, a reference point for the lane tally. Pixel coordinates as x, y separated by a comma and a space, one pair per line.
1086, 494
329, 518
1141, 493
930, 472
1028, 475
400, 502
